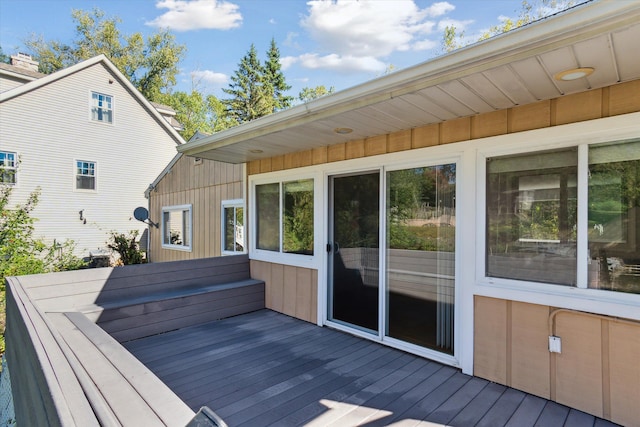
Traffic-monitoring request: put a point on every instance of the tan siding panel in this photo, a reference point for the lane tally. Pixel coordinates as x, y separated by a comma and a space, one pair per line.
455, 130
336, 152
624, 98
624, 368
581, 353
277, 287
490, 339
376, 145
578, 107
425, 136
529, 348
319, 155
400, 141
532, 116
303, 294
354, 149
489, 124
290, 288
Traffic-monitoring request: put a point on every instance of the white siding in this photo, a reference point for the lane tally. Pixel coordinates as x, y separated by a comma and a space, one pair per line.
50, 128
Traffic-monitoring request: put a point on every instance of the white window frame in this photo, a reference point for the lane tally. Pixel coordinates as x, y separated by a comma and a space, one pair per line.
298, 260
235, 204
94, 104
178, 208
579, 297
76, 175
13, 168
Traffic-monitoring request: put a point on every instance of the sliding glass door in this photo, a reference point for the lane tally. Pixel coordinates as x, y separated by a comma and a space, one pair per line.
414, 303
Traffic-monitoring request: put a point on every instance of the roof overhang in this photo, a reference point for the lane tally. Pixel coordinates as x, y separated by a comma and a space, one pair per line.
516, 68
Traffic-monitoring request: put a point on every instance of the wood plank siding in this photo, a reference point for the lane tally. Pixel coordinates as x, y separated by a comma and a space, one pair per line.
267, 369
204, 184
511, 347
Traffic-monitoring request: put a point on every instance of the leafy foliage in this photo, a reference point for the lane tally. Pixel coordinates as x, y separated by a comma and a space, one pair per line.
21, 253
127, 247
151, 65
309, 94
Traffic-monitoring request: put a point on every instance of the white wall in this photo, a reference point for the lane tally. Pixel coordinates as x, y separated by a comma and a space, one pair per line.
50, 128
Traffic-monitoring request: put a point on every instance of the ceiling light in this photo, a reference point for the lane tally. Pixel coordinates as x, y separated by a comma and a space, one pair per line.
256, 151
573, 74
343, 131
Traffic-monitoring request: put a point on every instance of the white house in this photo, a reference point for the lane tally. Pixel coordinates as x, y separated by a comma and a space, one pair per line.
92, 144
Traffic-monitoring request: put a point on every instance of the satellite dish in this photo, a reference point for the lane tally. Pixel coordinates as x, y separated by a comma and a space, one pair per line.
141, 214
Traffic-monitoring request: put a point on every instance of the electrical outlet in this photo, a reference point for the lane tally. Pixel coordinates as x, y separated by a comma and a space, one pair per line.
555, 344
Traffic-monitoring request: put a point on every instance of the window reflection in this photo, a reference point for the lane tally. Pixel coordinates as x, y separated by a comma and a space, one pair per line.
614, 217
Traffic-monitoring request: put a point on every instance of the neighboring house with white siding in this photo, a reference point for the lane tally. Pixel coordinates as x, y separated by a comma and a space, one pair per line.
92, 144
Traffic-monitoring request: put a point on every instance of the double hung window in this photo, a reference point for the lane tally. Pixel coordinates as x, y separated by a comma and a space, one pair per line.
8, 167
85, 175
101, 107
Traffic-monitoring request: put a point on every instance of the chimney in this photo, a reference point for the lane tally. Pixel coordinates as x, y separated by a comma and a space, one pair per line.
24, 61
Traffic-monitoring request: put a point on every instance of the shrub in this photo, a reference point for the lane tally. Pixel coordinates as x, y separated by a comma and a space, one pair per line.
127, 247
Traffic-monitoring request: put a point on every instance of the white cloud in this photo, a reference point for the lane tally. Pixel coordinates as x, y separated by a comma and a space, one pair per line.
186, 15
459, 25
355, 36
287, 61
341, 64
208, 76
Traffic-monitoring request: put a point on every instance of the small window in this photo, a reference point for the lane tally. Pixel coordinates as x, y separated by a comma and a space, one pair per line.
284, 212
85, 175
176, 227
233, 226
101, 107
8, 167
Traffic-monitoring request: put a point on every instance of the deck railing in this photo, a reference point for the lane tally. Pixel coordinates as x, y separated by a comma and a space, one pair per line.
64, 331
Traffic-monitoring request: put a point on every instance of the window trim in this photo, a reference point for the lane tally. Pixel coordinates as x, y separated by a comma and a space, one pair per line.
177, 208
13, 168
75, 176
234, 203
91, 107
580, 297
299, 260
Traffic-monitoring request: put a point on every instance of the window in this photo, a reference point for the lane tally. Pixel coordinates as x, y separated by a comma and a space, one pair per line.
176, 227
8, 167
85, 175
284, 213
534, 208
614, 217
101, 108
233, 226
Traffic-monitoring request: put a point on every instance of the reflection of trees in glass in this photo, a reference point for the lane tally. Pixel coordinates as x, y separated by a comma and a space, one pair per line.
268, 217
356, 210
298, 217
420, 206
233, 229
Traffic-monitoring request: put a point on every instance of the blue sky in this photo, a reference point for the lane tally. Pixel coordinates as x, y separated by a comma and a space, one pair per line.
331, 43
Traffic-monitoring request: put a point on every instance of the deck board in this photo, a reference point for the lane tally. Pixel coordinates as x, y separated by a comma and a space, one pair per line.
265, 368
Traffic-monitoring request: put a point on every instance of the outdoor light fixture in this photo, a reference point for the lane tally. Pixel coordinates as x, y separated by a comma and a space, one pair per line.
343, 131
573, 74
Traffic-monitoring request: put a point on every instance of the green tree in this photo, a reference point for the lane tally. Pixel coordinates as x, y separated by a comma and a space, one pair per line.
151, 65
249, 99
310, 93
274, 80
5, 59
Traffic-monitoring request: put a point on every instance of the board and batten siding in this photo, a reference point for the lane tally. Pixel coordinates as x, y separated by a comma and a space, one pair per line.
50, 128
597, 372
203, 184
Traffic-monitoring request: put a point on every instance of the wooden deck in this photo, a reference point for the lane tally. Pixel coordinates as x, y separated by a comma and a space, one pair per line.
265, 368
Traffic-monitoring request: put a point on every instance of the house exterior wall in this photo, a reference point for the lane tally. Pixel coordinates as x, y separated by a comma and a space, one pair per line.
50, 128
10, 82
509, 337
204, 185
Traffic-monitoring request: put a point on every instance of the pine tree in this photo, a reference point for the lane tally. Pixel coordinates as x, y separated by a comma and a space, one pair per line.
275, 82
249, 99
